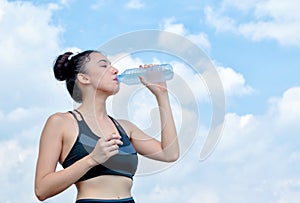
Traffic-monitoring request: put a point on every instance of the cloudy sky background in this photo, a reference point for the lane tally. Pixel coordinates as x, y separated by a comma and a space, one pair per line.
255, 46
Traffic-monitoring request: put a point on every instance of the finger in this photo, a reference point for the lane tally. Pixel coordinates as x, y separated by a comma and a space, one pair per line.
113, 153
112, 137
111, 143
143, 81
113, 148
115, 142
150, 65
145, 66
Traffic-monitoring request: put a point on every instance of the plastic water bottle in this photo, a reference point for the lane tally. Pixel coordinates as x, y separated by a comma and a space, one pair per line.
156, 73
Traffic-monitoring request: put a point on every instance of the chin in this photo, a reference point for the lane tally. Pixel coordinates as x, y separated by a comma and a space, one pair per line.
116, 90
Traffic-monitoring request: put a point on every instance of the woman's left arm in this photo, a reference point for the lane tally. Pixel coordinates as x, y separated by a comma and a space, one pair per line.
167, 149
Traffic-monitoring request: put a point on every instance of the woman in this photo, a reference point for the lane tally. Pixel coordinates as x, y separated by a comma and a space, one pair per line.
98, 153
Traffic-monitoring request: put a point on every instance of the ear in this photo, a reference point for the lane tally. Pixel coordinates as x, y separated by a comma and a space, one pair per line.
83, 78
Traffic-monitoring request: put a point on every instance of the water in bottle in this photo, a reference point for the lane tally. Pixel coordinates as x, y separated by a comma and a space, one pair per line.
156, 73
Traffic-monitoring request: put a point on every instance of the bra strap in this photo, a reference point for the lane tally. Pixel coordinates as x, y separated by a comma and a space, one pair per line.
79, 114
75, 116
118, 126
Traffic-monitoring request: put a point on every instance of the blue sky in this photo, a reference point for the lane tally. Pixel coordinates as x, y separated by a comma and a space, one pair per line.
255, 48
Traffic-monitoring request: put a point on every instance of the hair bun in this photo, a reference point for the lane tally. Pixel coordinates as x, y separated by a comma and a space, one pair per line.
61, 66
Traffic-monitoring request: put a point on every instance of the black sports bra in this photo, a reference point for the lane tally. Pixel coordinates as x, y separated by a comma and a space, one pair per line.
123, 164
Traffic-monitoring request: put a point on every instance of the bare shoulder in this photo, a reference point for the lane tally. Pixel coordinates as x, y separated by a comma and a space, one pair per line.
127, 126
58, 122
126, 123
59, 118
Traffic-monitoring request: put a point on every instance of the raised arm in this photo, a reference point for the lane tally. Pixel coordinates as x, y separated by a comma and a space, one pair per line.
167, 149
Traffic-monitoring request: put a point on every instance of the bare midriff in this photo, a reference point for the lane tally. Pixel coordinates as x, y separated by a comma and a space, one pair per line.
105, 187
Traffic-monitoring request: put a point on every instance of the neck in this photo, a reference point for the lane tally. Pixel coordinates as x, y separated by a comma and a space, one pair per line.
94, 106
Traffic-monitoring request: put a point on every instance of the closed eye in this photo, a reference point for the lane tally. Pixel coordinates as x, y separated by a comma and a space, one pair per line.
104, 63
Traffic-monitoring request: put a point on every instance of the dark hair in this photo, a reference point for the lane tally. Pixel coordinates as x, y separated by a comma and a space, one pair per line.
67, 66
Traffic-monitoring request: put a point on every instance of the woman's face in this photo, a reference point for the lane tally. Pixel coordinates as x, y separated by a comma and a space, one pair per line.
101, 74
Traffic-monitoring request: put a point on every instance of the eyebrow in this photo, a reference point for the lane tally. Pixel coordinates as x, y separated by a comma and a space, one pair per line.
104, 60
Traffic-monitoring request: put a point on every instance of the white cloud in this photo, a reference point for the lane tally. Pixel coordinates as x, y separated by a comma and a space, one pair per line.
200, 39
237, 127
221, 23
177, 28
287, 108
98, 5
251, 143
65, 2
248, 162
233, 83
191, 83
27, 54
29, 42
241, 5
204, 195
270, 19
12, 154
286, 33
124, 61
288, 191
18, 161
278, 10
17, 114
135, 4
54, 6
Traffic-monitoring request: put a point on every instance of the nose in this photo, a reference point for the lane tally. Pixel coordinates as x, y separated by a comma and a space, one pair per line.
114, 70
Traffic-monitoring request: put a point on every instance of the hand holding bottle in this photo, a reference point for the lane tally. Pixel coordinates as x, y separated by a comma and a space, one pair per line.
155, 87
